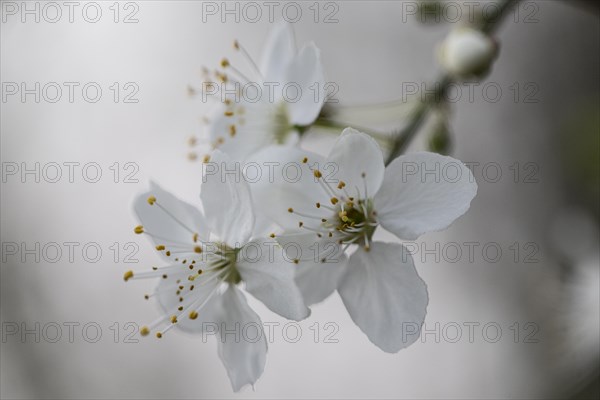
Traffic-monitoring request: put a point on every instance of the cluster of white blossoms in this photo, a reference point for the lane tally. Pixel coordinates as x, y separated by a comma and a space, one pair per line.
292, 243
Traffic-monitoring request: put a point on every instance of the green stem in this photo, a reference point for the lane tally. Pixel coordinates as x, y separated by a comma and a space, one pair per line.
407, 134
492, 22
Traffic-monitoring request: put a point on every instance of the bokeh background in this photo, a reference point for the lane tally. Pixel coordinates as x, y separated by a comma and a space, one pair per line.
370, 52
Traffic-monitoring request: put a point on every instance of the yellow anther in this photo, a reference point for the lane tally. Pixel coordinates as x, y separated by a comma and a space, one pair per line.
158, 335
232, 130
300, 224
222, 77
334, 200
195, 237
318, 205
128, 275
146, 296
198, 249
341, 185
228, 113
173, 319
317, 174
144, 331
272, 235
160, 247
305, 160
191, 278
193, 315
224, 63
138, 229
206, 159
343, 216
168, 253
290, 210
296, 261
151, 200
236, 45
180, 308
164, 276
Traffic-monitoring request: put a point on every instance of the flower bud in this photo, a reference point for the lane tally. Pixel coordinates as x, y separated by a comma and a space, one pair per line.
440, 140
467, 52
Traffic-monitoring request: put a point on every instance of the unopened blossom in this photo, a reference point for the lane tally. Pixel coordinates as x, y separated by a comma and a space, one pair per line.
271, 103
211, 256
339, 202
467, 52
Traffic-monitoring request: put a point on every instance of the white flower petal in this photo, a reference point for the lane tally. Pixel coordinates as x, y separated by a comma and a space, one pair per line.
169, 218
278, 52
270, 278
244, 356
355, 154
315, 279
279, 180
384, 295
415, 199
306, 74
227, 201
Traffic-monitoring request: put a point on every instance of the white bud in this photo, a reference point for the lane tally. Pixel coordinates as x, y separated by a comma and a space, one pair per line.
467, 52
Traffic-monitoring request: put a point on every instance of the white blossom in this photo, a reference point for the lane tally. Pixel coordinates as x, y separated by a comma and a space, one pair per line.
339, 202
212, 255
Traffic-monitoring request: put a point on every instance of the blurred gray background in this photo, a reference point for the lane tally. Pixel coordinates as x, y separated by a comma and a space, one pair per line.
369, 53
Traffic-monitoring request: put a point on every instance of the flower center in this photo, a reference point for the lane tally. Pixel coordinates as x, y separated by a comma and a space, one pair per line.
355, 222
224, 260
351, 217
282, 125
201, 262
